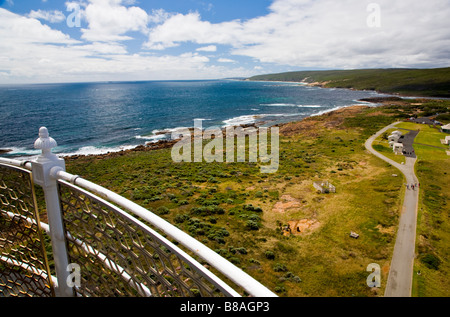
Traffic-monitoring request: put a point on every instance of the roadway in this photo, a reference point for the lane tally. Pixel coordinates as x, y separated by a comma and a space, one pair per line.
399, 283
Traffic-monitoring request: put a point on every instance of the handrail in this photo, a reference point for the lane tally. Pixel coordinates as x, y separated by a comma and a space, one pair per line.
251, 286
16, 163
116, 268
235, 274
46, 229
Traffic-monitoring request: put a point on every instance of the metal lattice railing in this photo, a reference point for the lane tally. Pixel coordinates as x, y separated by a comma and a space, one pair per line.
117, 245
121, 256
24, 269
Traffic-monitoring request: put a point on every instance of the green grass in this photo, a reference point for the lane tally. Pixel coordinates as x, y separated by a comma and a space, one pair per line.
415, 82
229, 207
428, 144
433, 232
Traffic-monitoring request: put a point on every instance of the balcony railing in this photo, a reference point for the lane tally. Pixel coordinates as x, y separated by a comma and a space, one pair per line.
97, 243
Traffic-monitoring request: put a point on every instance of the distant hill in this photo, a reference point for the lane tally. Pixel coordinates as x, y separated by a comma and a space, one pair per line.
411, 82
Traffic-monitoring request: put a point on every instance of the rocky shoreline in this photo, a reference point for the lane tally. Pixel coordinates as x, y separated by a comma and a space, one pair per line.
285, 129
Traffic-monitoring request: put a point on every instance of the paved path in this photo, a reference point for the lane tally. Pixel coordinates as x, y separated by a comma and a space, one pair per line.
399, 282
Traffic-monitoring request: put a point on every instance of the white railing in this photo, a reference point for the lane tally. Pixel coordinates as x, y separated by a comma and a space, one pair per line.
49, 172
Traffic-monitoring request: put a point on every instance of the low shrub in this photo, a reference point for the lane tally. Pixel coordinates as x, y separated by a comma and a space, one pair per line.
269, 255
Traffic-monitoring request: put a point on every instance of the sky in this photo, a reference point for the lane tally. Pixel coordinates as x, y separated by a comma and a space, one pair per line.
48, 41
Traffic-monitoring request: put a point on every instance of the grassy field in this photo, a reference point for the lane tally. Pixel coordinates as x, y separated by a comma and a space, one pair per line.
412, 82
241, 213
431, 276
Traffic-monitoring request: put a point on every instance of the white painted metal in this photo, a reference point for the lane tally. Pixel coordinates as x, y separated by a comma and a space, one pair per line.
16, 163
251, 286
139, 287
48, 168
42, 169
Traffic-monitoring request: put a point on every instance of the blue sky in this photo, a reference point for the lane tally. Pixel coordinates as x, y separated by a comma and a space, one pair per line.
208, 39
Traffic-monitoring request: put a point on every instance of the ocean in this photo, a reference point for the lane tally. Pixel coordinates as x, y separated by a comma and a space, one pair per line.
96, 118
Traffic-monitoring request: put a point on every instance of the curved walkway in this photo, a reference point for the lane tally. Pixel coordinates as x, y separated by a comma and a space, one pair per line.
399, 282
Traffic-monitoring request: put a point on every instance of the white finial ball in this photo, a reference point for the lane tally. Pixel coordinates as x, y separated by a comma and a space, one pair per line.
44, 142
43, 132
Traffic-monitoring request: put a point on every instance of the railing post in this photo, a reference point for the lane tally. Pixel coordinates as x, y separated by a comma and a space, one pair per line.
44, 168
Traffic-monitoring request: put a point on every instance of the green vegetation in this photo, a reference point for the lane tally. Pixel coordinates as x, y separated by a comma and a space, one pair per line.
239, 212
413, 82
433, 233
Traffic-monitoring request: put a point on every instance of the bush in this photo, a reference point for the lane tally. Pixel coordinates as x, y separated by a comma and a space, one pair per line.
252, 225
163, 210
280, 268
254, 261
208, 210
250, 207
279, 289
181, 218
212, 220
218, 235
269, 255
255, 218
431, 261
241, 250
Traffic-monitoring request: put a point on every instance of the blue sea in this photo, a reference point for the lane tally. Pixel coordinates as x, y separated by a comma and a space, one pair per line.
96, 118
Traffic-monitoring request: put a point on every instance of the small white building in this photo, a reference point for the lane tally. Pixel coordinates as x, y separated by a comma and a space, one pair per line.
446, 128
395, 136
446, 141
398, 148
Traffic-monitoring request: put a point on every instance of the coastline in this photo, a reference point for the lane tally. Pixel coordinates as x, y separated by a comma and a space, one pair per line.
412, 82
164, 144
161, 138
341, 111
324, 84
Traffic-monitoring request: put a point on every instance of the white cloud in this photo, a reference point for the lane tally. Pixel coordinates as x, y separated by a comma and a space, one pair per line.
109, 20
226, 60
50, 16
325, 34
33, 52
15, 29
158, 16
209, 48
295, 33
190, 28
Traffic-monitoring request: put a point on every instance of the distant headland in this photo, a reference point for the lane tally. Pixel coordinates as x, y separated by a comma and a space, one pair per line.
405, 82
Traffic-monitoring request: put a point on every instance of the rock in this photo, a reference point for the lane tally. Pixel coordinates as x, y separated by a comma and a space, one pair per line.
3, 151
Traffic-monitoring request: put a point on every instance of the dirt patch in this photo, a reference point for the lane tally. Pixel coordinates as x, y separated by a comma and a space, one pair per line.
299, 227
287, 202
389, 230
385, 269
